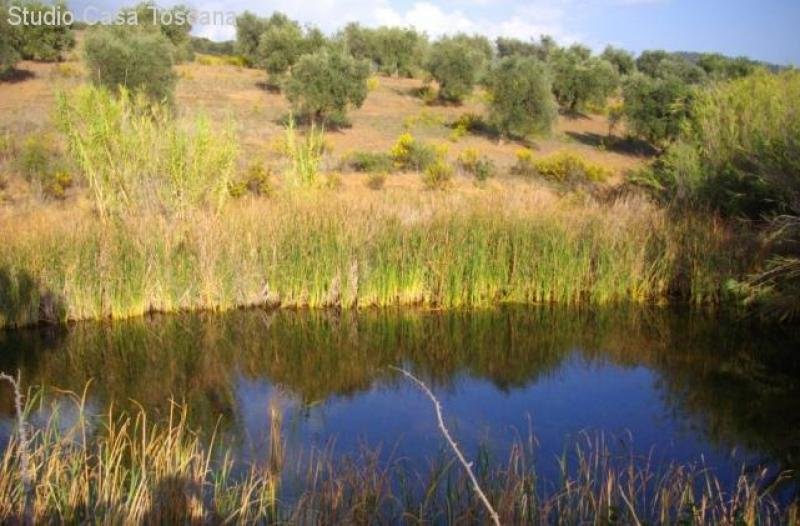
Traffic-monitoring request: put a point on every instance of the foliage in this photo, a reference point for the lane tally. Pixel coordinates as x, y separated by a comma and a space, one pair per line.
174, 23
622, 60
568, 167
438, 175
9, 41
480, 166
390, 50
409, 153
655, 109
326, 84
659, 64
507, 47
121, 56
249, 29
522, 101
209, 47
257, 181
44, 42
305, 155
455, 65
280, 46
136, 157
580, 79
739, 153
371, 162
41, 164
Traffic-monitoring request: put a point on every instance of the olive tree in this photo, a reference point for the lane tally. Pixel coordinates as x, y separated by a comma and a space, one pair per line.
654, 109
249, 29
122, 56
9, 41
522, 99
622, 60
580, 78
455, 65
325, 84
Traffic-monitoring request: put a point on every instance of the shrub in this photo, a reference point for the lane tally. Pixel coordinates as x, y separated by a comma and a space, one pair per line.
480, 166
738, 153
455, 65
136, 157
376, 181
524, 165
438, 175
522, 101
137, 60
566, 166
257, 181
411, 154
580, 79
44, 42
42, 165
326, 84
655, 108
305, 155
372, 162
249, 29
9, 42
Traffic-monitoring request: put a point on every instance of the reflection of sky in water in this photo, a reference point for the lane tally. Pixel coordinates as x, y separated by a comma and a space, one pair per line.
685, 388
617, 401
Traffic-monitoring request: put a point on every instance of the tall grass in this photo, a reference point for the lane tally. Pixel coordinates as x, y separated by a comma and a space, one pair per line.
378, 249
135, 155
128, 469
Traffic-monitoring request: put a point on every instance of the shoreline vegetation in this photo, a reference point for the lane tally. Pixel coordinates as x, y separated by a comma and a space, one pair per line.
127, 468
324, 249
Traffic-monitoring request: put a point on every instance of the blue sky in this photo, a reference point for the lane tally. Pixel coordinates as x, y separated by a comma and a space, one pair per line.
764, 30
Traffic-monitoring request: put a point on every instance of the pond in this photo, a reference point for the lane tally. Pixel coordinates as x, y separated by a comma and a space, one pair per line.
671, 385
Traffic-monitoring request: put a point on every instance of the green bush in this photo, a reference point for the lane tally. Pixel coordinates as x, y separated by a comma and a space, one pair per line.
455, 65
522, 101
438, 175
370, 162
480, 166
655, 109
249, 29
326, 84
9, 41
740, 150
410, 154
135, 157
126, 57
44, 42
41, 164
580, 79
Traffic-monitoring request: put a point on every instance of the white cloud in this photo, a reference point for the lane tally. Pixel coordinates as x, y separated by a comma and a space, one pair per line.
521, 19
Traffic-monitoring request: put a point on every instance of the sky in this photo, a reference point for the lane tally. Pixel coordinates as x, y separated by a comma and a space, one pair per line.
765, 30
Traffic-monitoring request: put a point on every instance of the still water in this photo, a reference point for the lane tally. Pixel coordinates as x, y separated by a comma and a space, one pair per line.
680, 387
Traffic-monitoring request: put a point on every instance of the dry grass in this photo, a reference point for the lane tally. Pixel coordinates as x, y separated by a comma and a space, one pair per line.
121, 469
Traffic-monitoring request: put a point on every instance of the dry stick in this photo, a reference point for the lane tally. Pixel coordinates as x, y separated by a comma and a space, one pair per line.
24, 456
467, 465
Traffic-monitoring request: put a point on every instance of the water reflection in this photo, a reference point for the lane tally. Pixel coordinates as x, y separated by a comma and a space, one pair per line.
692, 384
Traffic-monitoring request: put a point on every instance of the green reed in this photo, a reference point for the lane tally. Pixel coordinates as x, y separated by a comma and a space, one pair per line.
323, 249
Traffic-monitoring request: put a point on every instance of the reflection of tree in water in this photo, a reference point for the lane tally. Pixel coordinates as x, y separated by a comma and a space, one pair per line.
738, 385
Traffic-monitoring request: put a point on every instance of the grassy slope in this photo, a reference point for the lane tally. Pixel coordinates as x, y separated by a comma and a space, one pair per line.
513, 240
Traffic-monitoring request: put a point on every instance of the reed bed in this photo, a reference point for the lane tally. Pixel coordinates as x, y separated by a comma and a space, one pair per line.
120, 469
324, 249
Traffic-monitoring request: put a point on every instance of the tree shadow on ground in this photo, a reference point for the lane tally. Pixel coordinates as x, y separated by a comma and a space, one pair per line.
269, 87
627, 146
15, 76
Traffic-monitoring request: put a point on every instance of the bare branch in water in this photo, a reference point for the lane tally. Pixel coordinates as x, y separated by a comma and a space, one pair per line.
467, 465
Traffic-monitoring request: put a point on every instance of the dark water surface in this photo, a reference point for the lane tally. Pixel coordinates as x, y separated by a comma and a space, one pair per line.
681, 386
